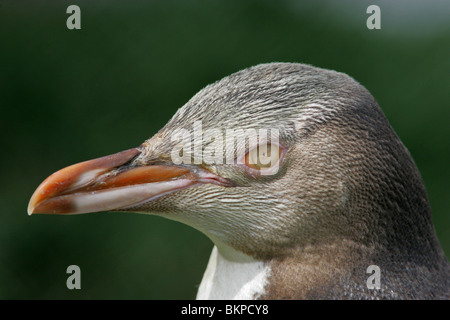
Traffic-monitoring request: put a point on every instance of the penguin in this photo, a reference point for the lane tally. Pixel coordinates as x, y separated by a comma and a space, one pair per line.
295, 175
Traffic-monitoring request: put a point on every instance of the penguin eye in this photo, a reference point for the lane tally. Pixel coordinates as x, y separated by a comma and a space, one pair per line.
263, 156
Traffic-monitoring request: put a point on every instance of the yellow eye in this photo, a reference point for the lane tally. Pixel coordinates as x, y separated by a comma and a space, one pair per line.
263, 157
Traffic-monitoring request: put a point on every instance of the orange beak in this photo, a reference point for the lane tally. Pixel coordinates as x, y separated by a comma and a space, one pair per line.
111, 183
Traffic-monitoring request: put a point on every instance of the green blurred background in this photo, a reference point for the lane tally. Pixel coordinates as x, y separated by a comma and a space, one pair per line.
68, 96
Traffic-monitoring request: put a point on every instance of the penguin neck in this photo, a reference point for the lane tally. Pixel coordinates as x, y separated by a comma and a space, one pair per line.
233, 275
308, 272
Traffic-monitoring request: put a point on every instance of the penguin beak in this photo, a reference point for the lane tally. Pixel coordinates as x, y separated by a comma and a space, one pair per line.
113, 183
